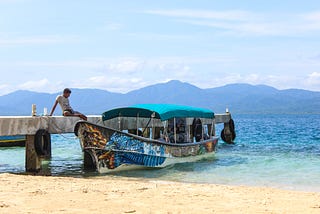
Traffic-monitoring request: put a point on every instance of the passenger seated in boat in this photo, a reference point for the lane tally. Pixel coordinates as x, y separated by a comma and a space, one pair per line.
180, 129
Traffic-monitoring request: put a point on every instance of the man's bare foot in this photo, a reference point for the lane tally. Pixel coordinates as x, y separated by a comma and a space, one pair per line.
83, 117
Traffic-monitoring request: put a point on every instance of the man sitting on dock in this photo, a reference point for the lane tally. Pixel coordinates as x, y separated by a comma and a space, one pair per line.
63, 100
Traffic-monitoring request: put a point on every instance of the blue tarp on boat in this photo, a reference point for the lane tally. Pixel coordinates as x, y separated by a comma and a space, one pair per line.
160, 111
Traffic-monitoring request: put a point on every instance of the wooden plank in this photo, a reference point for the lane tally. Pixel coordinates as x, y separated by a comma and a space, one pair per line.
222, 118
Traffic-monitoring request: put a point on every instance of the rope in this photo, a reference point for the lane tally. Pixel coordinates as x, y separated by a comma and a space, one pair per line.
75, 137
52, 124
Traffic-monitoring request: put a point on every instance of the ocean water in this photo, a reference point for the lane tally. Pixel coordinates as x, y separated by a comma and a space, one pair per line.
280, 151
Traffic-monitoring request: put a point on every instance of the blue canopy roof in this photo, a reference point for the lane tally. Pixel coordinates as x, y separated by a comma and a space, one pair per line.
160, 111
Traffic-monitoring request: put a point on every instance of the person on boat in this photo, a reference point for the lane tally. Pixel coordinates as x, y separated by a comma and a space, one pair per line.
67, 110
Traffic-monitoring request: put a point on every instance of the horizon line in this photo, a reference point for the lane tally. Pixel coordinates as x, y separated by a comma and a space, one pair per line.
239, 83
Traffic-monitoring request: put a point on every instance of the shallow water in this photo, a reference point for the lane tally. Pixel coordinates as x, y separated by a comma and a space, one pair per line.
281, 151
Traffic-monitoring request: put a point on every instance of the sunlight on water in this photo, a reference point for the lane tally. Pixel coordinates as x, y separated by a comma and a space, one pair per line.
280, 151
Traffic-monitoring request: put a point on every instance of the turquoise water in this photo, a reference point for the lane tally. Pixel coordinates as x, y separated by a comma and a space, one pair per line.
281, 151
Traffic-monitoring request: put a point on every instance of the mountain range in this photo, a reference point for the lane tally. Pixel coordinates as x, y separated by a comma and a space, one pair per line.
238, 98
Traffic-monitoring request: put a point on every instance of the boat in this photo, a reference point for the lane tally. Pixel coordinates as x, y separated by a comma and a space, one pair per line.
12, 141
147, 135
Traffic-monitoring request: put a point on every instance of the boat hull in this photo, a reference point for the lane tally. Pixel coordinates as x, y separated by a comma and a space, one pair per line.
12, 141
112, 150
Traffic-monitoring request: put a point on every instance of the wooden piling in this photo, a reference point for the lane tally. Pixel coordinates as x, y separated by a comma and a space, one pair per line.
227, 133
33, 156
33, 161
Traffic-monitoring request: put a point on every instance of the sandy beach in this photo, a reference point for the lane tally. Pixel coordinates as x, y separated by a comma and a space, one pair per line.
48, 194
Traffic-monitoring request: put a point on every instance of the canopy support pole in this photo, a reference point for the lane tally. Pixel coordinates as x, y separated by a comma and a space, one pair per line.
119, 121
175, 130
137, 128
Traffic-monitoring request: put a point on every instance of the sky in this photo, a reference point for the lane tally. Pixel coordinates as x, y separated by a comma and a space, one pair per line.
125, 45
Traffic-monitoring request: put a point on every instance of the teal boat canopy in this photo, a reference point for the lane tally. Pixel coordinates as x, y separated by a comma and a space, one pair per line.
159, 111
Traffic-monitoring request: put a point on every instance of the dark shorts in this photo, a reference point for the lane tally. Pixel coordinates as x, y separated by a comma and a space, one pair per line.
68, 111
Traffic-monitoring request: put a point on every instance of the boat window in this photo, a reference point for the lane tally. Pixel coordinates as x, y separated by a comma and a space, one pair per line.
170, 126
206, 135
177, 131
181, 125
197, 131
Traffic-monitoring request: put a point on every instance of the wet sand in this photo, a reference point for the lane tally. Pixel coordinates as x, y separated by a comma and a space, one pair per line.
41, 194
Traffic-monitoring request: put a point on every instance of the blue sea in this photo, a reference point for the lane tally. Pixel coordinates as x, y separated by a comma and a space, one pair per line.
280, 151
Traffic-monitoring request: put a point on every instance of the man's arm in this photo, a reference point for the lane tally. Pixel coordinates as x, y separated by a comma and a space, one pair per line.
53, 108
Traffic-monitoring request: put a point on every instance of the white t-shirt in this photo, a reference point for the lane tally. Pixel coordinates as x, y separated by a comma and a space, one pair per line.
64, 102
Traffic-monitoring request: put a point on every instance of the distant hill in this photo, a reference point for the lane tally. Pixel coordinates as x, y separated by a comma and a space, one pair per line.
239, 98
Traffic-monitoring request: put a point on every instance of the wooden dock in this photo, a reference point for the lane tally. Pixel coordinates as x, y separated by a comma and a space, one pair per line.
30, 126
37, 130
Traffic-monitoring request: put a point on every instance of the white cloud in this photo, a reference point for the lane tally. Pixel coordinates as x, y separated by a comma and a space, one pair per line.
314, 75
173, 68
125, 65
129, 73
280, 81
111, 65
312, 16
112, 83
126, 74
248, 23
98, 80
42, 85
5, 89
34, 84
313, 81
117, 83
